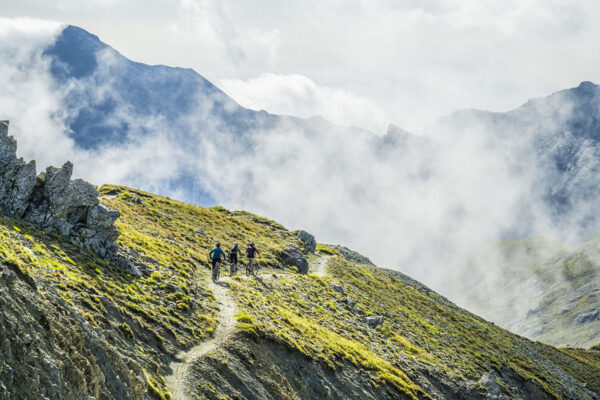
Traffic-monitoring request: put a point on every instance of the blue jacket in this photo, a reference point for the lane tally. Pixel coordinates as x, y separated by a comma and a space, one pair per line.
216, 253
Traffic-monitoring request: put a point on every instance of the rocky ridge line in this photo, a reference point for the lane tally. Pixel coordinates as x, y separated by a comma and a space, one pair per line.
57, 204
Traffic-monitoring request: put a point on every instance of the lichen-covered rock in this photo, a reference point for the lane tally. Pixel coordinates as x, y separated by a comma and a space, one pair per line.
18, 182
56, 203
103, 218
308, 240
352, 255
295, 258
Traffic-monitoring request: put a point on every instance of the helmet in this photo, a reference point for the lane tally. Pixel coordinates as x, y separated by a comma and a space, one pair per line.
251, 243
218, 244
235, 244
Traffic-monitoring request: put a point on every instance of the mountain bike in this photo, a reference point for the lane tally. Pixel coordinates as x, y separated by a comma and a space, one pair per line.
216, 272
233, 268
252, 267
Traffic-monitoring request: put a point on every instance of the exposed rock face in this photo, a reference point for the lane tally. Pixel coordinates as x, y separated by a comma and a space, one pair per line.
295, 258
489, 381
310, 244
56, 203
283, 374
49, 351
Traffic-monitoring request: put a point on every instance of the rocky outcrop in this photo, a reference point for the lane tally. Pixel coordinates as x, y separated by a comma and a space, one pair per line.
283, 374
308, 240
295, 258
57, 204
351, 255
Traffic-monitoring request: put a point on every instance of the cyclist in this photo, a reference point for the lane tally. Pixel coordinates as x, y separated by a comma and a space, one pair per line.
233, 258
216, 255
251, 253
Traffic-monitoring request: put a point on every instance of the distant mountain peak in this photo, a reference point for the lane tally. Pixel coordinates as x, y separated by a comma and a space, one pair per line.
587, 85
586, 89
75, 53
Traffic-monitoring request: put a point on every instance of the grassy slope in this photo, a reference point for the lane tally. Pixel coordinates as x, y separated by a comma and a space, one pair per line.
422, 330
170, 308
559, 285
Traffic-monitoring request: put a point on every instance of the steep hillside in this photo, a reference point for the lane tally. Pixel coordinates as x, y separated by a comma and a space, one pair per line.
74, 324
90, 327
547, 291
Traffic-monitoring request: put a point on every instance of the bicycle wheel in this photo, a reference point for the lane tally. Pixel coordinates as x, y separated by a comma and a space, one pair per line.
255, 269
216, 272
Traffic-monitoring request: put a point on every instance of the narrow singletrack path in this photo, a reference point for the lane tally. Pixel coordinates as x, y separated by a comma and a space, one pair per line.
177, 381
318, 266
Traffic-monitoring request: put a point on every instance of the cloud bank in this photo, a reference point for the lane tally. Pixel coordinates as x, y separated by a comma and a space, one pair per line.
300, 96
28, 98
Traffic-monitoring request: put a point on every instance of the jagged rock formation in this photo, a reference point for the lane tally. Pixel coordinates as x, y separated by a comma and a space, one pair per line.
54, 202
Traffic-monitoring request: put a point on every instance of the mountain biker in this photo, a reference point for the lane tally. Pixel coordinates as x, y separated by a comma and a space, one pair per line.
233, 257
251, 252
216, 255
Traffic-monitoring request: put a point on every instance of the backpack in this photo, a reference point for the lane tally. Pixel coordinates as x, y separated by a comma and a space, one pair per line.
233, 253
250, 251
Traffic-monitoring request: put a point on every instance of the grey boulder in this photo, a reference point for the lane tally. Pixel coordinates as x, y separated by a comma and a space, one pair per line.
308, 240
295, 258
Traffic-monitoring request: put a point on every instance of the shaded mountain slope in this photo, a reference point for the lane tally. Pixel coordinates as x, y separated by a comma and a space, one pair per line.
103, 81
93, 329
108, 101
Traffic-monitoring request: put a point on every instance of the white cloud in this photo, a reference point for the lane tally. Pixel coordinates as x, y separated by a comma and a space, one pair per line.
29, 99
300, 96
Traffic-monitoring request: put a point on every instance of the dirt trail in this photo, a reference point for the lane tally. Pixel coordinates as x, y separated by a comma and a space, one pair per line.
318, 266
176, 382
